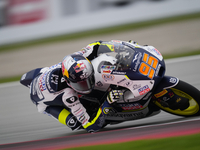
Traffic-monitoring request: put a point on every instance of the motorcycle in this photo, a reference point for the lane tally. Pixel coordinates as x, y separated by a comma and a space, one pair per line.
140, 72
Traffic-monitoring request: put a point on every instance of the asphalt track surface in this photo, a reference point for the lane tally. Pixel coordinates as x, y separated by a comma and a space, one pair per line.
22, 127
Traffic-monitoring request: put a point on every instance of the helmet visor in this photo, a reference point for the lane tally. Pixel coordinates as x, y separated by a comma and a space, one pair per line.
84, 86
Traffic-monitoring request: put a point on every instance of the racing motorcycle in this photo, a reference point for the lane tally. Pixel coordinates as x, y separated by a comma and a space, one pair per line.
140, 72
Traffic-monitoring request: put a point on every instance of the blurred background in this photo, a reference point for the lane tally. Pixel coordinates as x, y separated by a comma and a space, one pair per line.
39, 33
24, 21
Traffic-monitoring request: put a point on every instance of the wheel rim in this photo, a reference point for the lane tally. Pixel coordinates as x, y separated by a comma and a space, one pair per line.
191, 110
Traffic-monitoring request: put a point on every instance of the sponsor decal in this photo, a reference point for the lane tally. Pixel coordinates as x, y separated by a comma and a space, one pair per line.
107, 110
131, 106
42, 84
72, 122
84, 75
108, 77
54, 79
158, 69
35, 90
83, 51
172, 80
106, 71
79, 67
135, 58
160, 93
117, 72
144, 90
48, 84
54, 66
127, 115
107, 67
136, 86
127, 84
99, 83
139, 56
82, 118
88, 47
156, 51
77, 103
62, 79
63, 67
121, 81
166, 99
178, 100
171, 94
72, 99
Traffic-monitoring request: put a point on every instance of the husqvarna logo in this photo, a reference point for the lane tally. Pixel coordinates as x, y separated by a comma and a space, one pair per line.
172, 80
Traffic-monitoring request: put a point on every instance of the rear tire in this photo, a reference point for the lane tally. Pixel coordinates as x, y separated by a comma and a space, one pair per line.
188, 91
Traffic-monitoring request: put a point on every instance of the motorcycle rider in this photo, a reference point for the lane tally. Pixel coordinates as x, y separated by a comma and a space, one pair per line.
55, 90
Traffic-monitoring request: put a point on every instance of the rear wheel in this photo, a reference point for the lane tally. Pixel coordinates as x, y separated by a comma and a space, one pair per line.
185, 90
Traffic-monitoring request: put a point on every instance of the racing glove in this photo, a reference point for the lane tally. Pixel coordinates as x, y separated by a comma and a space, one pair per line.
114, 96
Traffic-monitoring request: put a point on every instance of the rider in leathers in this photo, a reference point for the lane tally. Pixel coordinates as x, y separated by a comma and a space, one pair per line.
55, 90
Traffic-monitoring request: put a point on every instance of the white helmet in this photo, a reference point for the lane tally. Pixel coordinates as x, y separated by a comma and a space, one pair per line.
79, 73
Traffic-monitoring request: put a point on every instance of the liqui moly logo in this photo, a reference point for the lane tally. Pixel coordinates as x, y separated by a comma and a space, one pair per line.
144, 90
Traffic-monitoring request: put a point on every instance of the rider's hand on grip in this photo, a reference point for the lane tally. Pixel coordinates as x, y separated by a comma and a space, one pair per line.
114, 96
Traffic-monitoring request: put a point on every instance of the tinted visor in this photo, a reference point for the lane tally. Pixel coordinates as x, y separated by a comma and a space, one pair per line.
84, 86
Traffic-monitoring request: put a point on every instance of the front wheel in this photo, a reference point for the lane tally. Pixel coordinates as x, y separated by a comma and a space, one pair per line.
185, 90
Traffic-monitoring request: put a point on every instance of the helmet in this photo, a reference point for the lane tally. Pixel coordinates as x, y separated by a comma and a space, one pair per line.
79, 73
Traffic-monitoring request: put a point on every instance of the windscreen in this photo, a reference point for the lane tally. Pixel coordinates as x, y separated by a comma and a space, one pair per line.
123, 53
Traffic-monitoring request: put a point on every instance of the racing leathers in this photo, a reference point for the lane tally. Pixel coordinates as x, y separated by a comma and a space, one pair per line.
53, 96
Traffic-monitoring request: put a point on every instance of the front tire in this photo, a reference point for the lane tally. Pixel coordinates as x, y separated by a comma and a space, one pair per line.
185, 90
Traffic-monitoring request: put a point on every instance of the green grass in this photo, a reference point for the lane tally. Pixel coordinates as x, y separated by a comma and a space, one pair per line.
10, 79
103, 31
190, 142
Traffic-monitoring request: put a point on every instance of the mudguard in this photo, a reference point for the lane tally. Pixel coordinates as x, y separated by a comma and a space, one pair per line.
166, 83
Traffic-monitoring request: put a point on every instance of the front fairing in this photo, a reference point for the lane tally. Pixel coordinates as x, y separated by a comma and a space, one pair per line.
138, 68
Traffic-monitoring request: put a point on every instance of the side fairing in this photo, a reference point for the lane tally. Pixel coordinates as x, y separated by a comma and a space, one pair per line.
138, 68
146, 66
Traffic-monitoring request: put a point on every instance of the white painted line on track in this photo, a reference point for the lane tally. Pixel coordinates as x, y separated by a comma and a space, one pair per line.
167, 61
